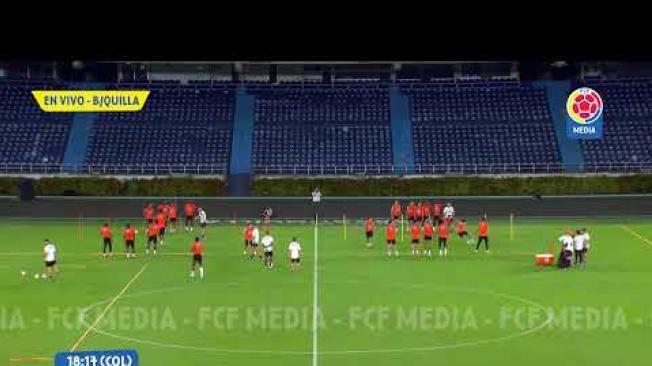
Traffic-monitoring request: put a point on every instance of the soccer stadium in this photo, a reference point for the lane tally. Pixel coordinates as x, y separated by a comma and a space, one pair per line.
325, 213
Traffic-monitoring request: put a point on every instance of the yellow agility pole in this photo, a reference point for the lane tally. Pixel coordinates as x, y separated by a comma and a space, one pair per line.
402, 228
344, 224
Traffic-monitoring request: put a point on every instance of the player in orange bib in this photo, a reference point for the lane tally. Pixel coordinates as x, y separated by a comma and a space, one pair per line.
460, 228
410, 211
428, 233
418, 213
427, 210
197, 251
107, 238
369, 227
249, 240
152, 236
148, 213
436, 212
483, 235
161, 221
443, 239
396, 210
391, 238
172, 216
415, 232
130, 239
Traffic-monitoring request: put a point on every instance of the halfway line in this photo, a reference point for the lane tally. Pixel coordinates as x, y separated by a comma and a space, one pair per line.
631, 231
106, 309
315, 298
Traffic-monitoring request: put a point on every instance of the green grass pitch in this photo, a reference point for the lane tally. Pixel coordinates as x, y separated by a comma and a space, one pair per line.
468, 309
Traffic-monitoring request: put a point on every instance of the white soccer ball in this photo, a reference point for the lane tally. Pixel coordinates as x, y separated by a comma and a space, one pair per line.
43, 276
36, 276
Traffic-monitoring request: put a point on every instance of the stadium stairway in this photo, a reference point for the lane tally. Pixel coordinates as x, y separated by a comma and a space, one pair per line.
82, 124
401, 124
569, 150
239, 179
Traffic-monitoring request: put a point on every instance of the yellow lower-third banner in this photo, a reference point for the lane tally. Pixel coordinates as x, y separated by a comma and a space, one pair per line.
91, 100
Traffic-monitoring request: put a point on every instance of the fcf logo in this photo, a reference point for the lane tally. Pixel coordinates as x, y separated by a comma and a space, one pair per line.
584, 121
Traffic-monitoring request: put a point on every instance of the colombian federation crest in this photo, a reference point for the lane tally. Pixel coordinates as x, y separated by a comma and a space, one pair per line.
584, 114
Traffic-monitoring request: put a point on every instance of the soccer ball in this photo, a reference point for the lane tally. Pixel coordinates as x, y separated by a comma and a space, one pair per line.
36, 276
43, 276
587, 105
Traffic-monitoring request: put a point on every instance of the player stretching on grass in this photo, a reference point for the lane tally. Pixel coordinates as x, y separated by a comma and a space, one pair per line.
369, 231
294, 252
107, 235
130, 238
268, 248
152, 237
391, 239
483, 235
415, 231
50, 258
428, 231
197, 250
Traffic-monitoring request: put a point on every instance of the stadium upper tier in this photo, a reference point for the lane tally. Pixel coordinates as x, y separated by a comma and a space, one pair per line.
627, 122
313, 128
28, 135
179, 125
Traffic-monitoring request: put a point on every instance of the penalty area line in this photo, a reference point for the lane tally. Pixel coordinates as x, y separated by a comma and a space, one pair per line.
637, 235
106, 309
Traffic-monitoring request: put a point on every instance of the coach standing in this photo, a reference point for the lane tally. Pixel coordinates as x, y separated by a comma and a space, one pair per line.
316, 200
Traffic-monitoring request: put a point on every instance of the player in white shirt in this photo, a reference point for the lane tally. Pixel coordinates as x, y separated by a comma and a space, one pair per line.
202, 221
587, 244
566, 256
268, 248
50, 258
294, 251
449, 213
579, 248
256, 241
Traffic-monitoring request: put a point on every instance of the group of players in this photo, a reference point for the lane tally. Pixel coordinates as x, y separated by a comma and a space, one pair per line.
574, 248
263, 248
423, 219
159, 220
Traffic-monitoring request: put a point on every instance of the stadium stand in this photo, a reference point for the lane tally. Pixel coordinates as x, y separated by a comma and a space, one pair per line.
627, 120
481, 122
321, 127
27, 134
189, 124
338, 128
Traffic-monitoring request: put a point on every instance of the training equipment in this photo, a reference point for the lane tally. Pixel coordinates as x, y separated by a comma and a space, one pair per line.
36, 276
544, 260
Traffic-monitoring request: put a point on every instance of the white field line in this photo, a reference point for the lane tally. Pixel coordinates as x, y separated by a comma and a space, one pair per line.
106, 309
